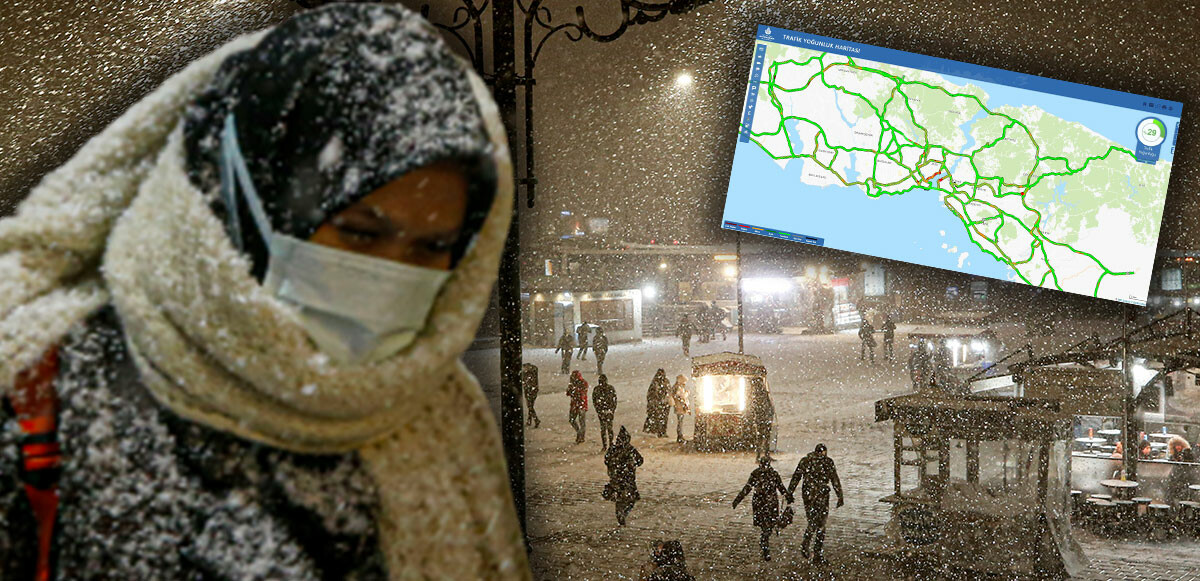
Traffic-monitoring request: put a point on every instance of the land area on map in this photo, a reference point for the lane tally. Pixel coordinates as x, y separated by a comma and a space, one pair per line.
1054, 202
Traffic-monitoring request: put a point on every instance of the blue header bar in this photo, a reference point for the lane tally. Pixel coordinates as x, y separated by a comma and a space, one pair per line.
1162, 107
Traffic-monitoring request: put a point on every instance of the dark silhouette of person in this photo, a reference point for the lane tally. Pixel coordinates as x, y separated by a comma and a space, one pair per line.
889, 338
583, 332
765, 482
604, 397
577, 390
529, 381
566, 346
600, 348
818, 473
622, 460
684, 331
866, 333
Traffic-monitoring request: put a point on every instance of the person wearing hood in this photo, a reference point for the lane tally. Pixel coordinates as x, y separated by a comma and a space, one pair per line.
566, 346
818, 473
622, 460
656, 394
765, 482
679, 401
230, 325
600, 348
529, 382
604, 397
577, 390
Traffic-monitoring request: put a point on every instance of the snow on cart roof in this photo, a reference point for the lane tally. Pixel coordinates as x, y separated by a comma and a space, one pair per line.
727, 363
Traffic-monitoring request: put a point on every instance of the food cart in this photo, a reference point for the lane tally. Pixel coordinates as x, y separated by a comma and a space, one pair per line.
1009, 494
946, 357
724, 384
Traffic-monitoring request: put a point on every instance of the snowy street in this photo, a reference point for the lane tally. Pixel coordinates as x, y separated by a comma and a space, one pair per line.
822, 393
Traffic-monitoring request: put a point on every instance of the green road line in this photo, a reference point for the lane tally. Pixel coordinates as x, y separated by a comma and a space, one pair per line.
894, 150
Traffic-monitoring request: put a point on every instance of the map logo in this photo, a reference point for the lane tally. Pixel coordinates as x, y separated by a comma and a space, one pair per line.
1151, 133
767, 32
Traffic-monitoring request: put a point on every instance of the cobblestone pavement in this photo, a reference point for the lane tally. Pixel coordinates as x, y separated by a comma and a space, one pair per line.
822, 394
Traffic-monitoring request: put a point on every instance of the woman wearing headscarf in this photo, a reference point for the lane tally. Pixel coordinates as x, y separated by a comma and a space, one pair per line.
622, 460
577, 390
230, 325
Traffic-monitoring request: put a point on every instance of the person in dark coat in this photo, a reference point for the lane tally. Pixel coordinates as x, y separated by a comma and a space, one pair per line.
566, 346
866, 334
670, 564
529, 381
762, 416
684, 332
765, 482
703, 323
719, 315
604, 397
889, 338
600, 348
655, 394
920, 365
577, 390
582, 335
622, 460
817, 472
210, 422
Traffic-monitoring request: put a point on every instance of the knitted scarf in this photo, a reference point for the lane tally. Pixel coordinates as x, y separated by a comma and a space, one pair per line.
121, 222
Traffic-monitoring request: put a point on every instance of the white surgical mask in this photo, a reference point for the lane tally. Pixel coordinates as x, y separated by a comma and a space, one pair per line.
356, 308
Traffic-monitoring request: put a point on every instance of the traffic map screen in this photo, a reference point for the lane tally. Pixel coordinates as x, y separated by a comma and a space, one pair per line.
952, 165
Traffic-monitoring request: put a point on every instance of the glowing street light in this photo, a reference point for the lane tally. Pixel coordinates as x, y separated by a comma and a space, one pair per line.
683, 80
662, 266
649, 291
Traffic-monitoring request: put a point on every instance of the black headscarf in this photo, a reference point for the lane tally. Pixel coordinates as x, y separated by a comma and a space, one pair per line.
331, 105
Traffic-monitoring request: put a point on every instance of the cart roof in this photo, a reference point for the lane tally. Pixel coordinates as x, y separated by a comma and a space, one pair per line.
946, 331
727, 363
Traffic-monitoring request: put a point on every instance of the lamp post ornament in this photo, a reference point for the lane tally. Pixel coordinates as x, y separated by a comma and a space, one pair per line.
537, 24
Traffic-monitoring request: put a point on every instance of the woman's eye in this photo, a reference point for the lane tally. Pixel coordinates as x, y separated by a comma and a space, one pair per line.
358, 235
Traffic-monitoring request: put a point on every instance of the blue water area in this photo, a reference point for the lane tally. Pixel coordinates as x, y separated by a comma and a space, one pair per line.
906, 227
792, 126
966, 129
1114, 123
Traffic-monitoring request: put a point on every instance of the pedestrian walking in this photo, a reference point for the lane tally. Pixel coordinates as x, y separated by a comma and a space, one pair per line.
920, 364
766, 485
679, 401
622, 460
529, 380
656, 416
889, 338
566, 346
817, 472
762, 416
240, 310
600, 348
866, 334
604, 397
582, 335
577, 389
684, 332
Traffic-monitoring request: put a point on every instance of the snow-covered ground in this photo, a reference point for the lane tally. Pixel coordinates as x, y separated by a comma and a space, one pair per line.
822, 393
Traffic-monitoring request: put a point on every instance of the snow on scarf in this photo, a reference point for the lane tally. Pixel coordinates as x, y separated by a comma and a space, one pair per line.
121, 222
